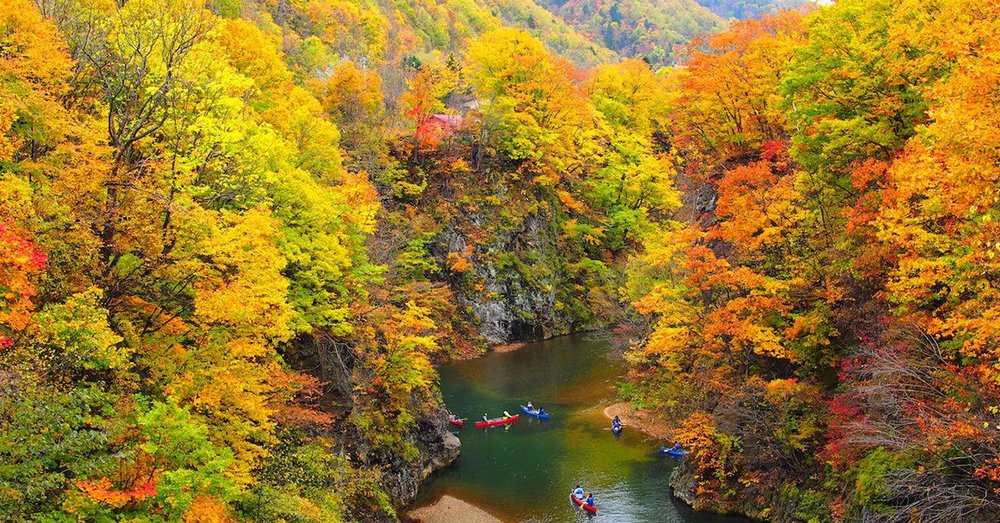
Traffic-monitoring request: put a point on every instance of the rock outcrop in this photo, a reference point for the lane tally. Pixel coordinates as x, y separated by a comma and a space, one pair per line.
683, 483
521, 279
438, 447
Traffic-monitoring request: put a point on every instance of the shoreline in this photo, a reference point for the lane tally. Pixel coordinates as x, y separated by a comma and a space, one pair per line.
643, 420
449, 509
517, 345
510, 347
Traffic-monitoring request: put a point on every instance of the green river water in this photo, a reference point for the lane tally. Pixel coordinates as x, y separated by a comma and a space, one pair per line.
525, 471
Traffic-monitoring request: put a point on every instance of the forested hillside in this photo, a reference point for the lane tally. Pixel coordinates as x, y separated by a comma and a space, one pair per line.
237, 236
657, 31
744, 9
234, 243
647, 29
827, 314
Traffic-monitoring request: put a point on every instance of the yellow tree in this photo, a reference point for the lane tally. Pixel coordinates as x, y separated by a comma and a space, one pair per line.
939, 209
629, 182
352, 97
532, 109
725, 108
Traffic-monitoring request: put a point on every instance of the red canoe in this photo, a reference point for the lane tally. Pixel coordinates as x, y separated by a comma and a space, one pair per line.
497, 421
457, 422
589, 508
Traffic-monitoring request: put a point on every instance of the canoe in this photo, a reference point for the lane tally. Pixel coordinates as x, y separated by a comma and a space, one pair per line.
581, 503
673, 452
457, 422
497, 421
534, 413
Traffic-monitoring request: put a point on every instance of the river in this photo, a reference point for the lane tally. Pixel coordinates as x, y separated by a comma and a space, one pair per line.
525, 471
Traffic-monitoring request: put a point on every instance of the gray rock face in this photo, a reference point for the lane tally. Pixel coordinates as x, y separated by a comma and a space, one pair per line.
438, 448
521, 272
682, 483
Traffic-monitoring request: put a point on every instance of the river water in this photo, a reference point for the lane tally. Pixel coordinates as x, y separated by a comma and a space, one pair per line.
525, 471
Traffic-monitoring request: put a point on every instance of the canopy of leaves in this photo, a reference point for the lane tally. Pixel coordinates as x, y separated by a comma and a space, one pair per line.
833, 292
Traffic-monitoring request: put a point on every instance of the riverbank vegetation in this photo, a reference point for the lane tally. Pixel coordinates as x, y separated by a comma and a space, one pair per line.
826, 320
235, 237
234, 242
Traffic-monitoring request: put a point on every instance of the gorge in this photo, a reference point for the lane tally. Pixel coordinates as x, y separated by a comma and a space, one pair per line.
252, 252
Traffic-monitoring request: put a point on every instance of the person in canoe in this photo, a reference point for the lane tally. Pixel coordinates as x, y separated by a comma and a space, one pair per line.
506, 415
589, 502
486, 417
541, 412
578, 492
678, 447
616, 421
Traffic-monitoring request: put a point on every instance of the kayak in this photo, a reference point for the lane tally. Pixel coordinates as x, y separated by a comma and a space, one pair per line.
457, 422
534, 413
497, 421
580, 503
616, 429
673, 452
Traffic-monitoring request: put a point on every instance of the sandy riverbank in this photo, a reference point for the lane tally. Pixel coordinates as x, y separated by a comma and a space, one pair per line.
645, 421
449, 509
510, 347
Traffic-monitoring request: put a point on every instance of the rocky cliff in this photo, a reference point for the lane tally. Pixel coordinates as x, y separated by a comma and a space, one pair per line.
521, 278
683, 483
438, 448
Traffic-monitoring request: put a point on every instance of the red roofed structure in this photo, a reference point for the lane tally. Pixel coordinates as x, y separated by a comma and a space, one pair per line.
437, 127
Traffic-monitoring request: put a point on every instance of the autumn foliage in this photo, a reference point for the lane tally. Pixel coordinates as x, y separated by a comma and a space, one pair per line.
236, 237
175, 219
826, 322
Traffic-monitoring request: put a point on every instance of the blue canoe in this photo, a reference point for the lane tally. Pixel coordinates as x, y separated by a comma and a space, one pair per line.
673, 452
534, 413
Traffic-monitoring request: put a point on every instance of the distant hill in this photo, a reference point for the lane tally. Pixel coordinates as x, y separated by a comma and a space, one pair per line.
588, 32
647, 29
565, 38
394, 30
743, 9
